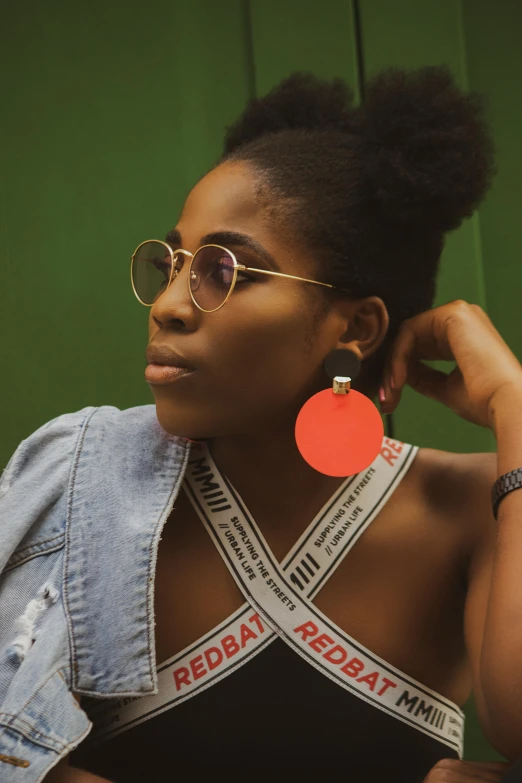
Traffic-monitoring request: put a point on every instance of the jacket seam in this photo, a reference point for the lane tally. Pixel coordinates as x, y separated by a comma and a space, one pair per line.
38, 543
70, 490
75, 703
35, 554
53, 745
150, 586
30, 728
17, 456
44, 683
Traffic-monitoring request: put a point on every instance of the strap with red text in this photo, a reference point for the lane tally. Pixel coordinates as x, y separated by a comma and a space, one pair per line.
310, 633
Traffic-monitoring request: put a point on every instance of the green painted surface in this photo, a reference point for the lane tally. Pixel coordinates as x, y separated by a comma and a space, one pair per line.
494, 59
289, 37
110, 112
494, 67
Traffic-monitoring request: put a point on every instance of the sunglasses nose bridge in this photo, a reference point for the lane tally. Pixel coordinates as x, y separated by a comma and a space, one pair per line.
176, 271
177, 267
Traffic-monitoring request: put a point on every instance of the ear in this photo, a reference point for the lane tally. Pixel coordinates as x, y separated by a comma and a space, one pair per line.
367, 323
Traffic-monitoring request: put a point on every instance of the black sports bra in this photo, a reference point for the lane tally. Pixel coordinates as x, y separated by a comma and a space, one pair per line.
276, 712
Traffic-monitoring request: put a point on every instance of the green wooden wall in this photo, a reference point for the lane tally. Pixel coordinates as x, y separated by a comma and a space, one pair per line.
111, 111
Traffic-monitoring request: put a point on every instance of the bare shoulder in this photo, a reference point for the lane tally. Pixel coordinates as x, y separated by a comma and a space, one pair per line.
457, 487
462, 476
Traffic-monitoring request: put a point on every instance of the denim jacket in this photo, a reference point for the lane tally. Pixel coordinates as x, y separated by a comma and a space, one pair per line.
83, 501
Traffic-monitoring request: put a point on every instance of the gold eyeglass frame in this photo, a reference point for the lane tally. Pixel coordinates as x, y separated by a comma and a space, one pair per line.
237, 268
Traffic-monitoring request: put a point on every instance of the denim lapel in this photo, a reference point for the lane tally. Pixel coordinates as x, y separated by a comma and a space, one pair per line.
125, 477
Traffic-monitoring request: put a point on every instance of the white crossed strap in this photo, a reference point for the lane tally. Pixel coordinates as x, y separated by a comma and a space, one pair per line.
278, 603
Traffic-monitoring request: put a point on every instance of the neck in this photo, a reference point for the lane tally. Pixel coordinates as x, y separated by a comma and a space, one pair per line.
273, 479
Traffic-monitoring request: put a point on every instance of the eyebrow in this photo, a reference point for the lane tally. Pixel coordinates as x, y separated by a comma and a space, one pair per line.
233, 238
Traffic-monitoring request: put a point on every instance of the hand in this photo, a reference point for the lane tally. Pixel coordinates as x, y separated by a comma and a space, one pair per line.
461, 332
454, 771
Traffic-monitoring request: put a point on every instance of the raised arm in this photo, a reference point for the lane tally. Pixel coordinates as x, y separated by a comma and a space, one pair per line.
484, 388
501, 659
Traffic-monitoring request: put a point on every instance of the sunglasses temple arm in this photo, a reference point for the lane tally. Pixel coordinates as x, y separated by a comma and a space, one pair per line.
241, 267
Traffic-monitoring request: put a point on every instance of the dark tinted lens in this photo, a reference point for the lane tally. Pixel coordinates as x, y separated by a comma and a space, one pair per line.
151, 269
212, 275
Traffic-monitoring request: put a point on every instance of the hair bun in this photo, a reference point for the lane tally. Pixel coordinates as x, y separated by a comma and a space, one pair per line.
302, 101
429, 148
423, 148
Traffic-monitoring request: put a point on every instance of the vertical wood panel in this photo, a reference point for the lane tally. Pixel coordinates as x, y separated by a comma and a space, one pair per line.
110, 113
411, 34
494, 56
289, 36
494, 67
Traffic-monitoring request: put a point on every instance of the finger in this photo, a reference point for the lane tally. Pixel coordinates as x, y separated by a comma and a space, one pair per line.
467, 776
458, 771
487, 767
428, 381
423, 379
422, 337
498, 766
483, 771
439, 333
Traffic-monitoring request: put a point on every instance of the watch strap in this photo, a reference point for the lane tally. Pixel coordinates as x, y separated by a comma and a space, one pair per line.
503, 485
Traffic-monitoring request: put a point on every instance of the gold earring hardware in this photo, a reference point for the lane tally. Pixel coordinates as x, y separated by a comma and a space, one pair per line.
341, 384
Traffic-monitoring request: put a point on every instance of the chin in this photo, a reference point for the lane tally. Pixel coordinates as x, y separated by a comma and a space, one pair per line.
182, 424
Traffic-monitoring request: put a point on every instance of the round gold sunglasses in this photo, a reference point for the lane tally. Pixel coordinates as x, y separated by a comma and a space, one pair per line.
212, 275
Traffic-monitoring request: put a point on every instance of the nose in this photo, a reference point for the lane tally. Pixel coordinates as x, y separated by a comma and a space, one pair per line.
175, 303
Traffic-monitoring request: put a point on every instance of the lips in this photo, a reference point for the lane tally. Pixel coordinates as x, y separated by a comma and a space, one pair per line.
164, 354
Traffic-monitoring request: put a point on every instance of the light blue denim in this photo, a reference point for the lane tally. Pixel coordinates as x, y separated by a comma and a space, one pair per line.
83, 501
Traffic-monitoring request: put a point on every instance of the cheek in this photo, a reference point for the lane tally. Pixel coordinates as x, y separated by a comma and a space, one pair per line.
266, 349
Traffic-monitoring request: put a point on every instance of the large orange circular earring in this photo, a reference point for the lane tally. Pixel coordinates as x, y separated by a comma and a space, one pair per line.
339, 431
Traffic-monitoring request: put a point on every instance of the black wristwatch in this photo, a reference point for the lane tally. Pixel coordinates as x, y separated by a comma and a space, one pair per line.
503, 485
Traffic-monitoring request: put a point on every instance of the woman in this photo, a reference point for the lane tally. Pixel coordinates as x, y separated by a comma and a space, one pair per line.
313, 189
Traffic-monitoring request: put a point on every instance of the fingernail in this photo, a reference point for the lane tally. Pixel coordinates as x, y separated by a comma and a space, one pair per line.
382, 394
392, 382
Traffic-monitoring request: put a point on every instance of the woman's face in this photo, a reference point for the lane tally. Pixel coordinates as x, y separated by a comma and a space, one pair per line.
256, 359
